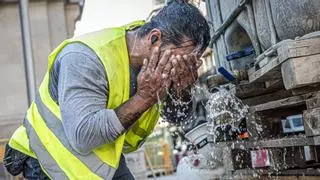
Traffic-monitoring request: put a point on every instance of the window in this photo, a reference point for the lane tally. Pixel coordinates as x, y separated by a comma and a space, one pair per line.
287, 125
297, 122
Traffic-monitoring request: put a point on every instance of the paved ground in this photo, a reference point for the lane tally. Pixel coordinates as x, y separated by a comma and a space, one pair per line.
169, 177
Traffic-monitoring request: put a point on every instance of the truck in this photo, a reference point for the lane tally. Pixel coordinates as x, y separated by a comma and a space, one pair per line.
266, 52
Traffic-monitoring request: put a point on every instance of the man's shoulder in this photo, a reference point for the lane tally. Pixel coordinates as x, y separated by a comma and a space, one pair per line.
77, 47
102, 38
78, 57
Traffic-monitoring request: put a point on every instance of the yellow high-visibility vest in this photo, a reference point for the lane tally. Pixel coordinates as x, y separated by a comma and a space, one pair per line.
42, 135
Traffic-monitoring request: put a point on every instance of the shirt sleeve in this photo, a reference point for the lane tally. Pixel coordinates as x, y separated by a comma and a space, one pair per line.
83, 95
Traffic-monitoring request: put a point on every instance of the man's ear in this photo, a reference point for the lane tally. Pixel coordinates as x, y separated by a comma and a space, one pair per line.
154, 37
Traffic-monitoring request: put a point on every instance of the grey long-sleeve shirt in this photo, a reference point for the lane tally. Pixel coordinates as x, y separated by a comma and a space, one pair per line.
79, 85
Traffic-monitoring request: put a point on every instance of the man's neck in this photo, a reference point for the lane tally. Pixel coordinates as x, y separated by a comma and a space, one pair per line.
132, 45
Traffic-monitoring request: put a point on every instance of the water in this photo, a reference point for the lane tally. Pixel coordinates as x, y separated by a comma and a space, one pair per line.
224, 114
223, 107
224, 110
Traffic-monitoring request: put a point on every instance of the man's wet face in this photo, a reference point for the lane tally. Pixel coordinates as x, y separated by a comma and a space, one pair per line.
185, 48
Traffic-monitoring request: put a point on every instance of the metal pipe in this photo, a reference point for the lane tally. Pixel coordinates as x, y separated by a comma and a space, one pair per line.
234, 14
255, 40
219, 14
270, 22
214, 47
220, 79
220, 42
27, 50
166, 2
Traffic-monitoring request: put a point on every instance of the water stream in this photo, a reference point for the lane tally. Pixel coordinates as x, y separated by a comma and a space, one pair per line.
224, 114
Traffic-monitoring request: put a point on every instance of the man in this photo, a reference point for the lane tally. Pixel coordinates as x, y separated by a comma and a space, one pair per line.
100, 97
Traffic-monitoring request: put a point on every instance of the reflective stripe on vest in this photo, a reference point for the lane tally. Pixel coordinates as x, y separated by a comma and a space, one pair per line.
43, 156
46, 136
93, 163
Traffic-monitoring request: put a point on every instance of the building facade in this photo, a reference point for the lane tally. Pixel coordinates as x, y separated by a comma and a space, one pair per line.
51, 21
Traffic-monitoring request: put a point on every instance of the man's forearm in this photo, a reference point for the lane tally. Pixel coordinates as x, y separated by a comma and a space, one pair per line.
130, 111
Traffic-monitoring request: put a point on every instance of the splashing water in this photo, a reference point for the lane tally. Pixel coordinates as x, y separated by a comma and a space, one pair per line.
221, 108
224, 108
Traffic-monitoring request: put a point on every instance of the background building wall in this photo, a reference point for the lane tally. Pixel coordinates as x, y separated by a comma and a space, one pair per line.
99, 14
50, 22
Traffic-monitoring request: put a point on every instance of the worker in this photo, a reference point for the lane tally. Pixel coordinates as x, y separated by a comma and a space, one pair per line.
102, 95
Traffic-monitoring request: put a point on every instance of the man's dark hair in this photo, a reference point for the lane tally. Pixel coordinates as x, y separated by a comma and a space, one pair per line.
177, 20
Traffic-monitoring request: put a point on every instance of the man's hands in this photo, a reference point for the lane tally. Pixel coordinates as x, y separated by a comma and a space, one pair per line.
157, 75
153, 79
184, 71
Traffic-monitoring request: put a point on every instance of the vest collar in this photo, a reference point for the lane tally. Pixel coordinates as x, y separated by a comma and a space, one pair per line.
134, 25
